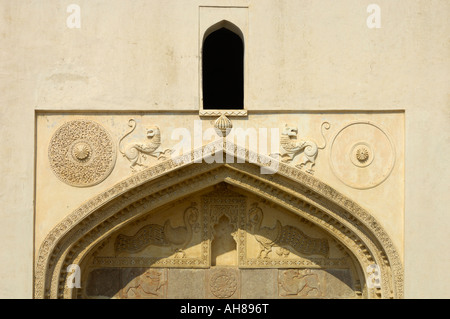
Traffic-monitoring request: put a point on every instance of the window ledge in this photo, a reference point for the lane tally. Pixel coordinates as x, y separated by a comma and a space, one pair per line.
224, 112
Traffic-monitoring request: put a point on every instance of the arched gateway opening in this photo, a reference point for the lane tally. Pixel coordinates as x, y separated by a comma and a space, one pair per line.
195, 230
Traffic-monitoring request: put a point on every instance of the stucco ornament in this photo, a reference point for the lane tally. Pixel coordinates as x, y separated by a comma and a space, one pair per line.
223, 125
82, 153
362, 155
307, 149
137, 152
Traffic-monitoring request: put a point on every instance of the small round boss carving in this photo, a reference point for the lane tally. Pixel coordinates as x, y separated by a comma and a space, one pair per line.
361, 154
81, 151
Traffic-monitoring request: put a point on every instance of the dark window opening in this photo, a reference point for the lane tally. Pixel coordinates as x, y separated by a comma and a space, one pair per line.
223, 71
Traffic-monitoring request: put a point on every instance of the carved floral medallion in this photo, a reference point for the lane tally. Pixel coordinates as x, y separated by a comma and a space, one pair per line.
82, 153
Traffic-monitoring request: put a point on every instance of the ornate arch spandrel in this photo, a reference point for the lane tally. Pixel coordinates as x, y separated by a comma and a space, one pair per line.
351, 222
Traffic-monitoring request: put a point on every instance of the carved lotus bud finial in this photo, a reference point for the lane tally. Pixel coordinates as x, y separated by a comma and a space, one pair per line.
223, 125
362, 154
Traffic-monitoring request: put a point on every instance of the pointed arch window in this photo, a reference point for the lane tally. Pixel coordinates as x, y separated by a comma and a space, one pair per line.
223, 70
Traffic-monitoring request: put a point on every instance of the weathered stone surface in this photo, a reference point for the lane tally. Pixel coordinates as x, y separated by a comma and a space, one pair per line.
340, 283
104, 283
186, 284
252, 251
259, 283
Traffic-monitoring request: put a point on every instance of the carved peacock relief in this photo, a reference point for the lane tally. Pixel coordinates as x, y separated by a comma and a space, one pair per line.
282, 237
137, 153
177, 238
308, 150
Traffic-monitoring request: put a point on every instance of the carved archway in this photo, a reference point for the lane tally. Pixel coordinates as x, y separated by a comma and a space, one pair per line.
72, 240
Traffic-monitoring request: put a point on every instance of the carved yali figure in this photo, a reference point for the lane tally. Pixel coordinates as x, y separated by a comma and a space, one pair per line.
82, 153
283, 237
299, 282
161, 235
147, 285
137, 153
307, 149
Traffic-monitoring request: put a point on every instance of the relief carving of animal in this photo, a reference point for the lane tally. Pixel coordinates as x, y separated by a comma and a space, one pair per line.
307, 149
137, 153
147, 284
300, 282
283, 237
161, 235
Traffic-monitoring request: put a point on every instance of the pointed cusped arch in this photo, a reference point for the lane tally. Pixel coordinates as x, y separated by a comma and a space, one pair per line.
72, 239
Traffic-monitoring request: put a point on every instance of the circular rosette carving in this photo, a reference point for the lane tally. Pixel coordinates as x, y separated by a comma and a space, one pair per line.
223, 283
362, 155
82, 153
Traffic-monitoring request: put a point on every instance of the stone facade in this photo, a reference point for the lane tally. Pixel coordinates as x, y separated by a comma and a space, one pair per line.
226, 251
119, 184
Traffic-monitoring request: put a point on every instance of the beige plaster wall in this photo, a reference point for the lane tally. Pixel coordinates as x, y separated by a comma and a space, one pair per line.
302, 55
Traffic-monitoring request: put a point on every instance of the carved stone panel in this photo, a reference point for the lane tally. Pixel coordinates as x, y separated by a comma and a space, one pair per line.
226, 211
223, 283
231, 245
126, 283
141, 283
219, 283
276, 240
301, 283
316, 283
173, 239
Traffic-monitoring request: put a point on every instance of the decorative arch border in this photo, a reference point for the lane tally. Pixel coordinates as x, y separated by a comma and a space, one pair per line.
176, 178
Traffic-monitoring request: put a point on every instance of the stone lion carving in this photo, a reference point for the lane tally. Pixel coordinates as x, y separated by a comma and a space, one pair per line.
307, 149
137, 153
